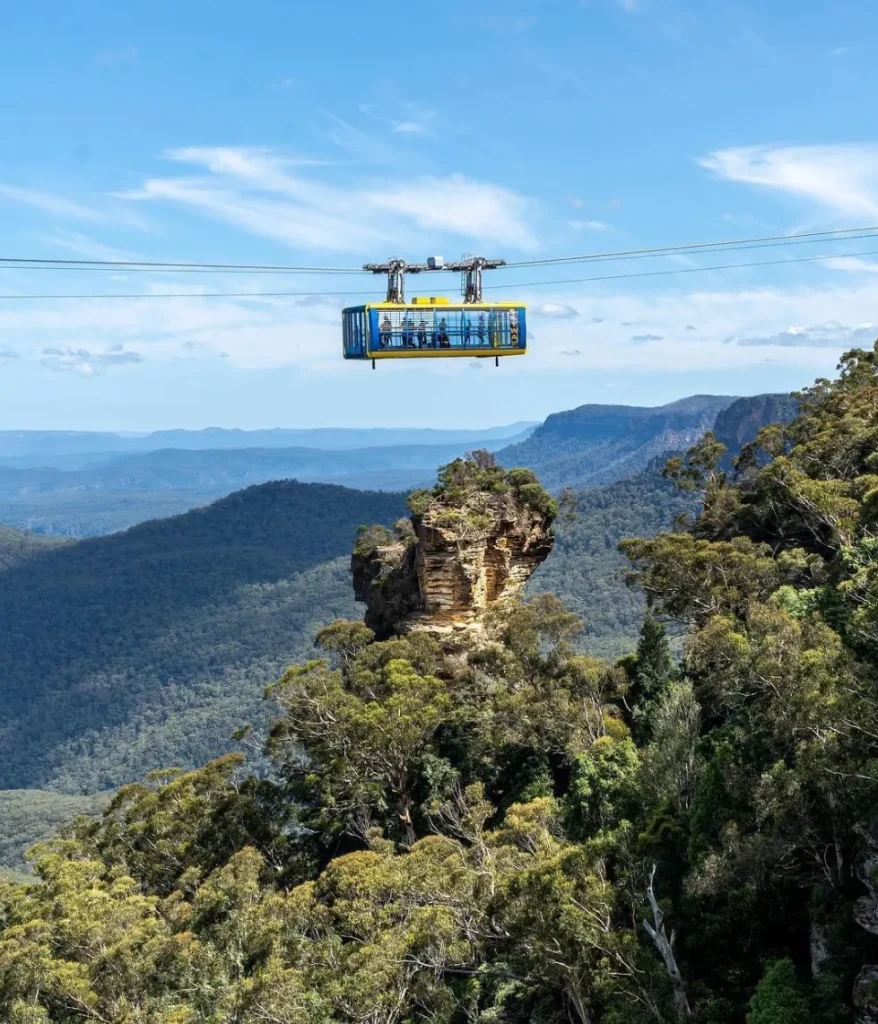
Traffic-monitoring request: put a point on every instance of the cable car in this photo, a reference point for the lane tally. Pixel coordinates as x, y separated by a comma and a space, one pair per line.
434, 327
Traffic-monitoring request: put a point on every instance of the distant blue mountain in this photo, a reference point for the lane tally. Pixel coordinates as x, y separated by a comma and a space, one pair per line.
32, 447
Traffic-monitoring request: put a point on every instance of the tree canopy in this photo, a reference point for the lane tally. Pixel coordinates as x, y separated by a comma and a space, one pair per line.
517, 832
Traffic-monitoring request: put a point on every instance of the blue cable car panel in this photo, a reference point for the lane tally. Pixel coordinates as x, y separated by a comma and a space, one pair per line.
433, 328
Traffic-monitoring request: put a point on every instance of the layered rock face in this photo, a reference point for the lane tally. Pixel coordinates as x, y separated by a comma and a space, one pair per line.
460, 557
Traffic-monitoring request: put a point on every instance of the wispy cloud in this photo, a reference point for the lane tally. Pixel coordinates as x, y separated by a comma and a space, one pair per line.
122, 55
839, 51
557, 310
841, 177
108, 212
645, 339
412, 120
258, 191
852, 264
87, 247
51, 203
86, 363
828, 335
6, 354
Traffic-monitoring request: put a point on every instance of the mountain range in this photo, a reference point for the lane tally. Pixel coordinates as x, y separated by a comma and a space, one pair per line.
150, 646
598, 444
46, 488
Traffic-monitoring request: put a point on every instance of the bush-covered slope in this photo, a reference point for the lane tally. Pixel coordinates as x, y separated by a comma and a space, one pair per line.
151, 645
597, 444
19, 545
586, 567
515, 832
29, 816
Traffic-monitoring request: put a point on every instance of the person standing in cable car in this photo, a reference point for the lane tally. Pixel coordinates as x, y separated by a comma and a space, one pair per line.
422, 333
467, 330
443, 334
385, 335
480, 329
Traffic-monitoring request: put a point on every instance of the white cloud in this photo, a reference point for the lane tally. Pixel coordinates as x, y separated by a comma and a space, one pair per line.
89, 248
843, 178
839, 51
737, 328
412, 120
85, 362
557, 310
852, 264
257, 191
51, 203
828, 335
6, 354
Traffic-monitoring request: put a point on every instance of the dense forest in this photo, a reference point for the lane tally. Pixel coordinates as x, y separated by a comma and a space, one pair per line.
528, 835
153, 645
586, 569
19, 546
173, 628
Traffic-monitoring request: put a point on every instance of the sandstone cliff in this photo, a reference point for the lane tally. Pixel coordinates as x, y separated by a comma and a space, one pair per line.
471, 543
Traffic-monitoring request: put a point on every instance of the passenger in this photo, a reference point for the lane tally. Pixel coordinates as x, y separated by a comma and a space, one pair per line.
385, 335
467, 331
480, 329
422, 333
443, 334
410, 331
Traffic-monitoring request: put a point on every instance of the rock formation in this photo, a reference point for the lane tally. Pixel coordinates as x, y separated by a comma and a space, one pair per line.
471, 544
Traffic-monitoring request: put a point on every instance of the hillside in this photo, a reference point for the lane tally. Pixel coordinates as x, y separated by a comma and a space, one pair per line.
739, 423
597, 444
586, 568
19, 545
152, 645
29, 816
98, 494
488, 825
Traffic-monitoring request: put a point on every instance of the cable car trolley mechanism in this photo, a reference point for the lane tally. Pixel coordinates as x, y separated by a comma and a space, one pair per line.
433, 327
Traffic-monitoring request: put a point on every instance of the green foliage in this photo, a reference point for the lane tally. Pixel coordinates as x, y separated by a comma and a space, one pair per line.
480, 473
30, 815
778, 999
586, 568
503, 829
153, 646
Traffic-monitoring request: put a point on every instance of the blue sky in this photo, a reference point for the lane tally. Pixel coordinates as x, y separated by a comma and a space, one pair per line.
334, 134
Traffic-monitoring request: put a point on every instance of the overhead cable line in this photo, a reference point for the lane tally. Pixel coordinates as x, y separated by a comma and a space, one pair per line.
767, 241
8, 264
528, 284
34, 264
843, 234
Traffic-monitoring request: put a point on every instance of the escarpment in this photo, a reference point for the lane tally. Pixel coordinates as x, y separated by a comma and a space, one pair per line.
471, 544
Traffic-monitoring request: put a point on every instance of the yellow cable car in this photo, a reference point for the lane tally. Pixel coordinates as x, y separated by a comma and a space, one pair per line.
433, 327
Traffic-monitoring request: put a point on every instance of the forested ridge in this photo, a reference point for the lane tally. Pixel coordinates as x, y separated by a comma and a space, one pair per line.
156, 643
599, 444
528, 834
